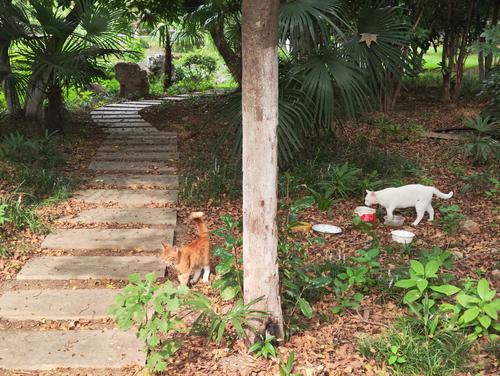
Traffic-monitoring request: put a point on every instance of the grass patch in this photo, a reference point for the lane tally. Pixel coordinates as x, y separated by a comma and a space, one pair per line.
30, 176
444, 354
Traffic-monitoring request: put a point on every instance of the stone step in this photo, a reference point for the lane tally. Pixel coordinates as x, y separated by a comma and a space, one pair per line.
60, 268
127, 197
147, 216
137, 120
125, 125
136, 106
136, 156
169, 145
131, 181
45, 350
170, 148
114, 111
116, 116
149, 138
150, 102
134, 131
131, 166
140, 239
57, 304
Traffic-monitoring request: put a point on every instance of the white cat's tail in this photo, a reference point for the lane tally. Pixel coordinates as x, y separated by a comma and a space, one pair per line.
440, 194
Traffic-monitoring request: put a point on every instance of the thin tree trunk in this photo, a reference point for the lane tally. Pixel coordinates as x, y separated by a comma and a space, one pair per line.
447, 56
167, 64
54, 119
231, 58
260, 161
488, 63
8, 85
462, 53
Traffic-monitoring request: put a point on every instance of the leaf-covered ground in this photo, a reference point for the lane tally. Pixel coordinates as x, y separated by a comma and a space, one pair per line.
329, 344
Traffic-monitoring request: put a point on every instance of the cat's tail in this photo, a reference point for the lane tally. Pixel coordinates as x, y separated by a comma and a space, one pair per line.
440, 194
197, 217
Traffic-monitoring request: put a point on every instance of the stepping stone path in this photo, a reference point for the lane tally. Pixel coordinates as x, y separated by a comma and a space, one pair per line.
135, 175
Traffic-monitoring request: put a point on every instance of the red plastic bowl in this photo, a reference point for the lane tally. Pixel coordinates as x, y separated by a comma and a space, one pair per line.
365, 213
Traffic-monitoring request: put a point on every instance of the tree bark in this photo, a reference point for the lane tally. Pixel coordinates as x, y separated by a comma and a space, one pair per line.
167, 64
33, 104
260, 161
231, 58
8, 84
447, 55
54, 119
463, 53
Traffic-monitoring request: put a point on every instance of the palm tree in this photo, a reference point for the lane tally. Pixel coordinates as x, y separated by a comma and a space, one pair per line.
331, 67
64, 47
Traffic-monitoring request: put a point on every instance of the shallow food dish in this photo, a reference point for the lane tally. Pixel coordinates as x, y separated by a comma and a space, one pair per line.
401, 236
365, 213
396, 221
327, 229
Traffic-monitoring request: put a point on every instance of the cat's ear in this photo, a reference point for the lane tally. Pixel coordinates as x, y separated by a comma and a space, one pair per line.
164, 245
368, 192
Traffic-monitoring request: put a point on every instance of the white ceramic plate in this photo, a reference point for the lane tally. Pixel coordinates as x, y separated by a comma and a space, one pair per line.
328, 229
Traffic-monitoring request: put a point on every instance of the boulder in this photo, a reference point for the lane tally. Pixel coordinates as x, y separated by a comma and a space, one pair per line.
470, 226
133, 80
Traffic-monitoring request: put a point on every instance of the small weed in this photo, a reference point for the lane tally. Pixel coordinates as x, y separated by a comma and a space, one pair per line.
286, 368
264, 347
451, 218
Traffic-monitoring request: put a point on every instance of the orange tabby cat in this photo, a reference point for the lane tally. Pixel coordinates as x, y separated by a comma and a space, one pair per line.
191, 259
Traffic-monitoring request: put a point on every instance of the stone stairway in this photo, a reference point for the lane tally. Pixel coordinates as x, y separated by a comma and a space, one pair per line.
135, 175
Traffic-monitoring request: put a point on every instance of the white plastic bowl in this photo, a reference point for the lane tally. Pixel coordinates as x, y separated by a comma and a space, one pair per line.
403, 237
396, 221
328, 229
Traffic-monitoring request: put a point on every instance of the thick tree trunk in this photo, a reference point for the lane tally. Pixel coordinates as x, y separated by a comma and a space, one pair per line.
448, 55
260, 161
167, 64
8, 85
33, 104
54, 119
231, 58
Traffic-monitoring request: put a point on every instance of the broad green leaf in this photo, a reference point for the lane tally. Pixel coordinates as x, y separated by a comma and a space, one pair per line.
406, 283
394, 349
417, 267
491, 310
302, 203
485, 321
229, 292
469, 315
392, 359
412, 295
448, 290
432, 267
422, 284
465, 299
483, 288
305, 307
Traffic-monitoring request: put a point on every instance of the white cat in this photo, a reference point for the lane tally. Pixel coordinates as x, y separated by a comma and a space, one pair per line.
417, 195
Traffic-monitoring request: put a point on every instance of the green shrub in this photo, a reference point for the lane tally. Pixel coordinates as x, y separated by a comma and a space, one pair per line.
483, 145
407, 349
194, 70
157, 310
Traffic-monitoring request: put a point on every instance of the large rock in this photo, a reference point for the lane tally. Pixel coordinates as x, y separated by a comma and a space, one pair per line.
133, 80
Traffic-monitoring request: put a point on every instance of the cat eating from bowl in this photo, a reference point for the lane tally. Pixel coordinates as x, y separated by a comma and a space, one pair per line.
412, 195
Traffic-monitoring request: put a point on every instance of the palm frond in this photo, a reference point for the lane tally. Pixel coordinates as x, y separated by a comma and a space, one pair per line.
309, 24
